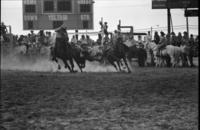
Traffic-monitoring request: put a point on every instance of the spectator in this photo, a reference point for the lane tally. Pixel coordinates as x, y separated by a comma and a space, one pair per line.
162, 43
89, 41
83, 40
3, 29
140, 42
179, 39
99, 39
74, 40
191, 40
105, 28
173, 40
185, 39
156, 38
148, 37
4, 32
32, 37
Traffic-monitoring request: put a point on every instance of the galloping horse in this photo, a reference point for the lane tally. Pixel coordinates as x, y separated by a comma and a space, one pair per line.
62, 50
73, 53
117, 52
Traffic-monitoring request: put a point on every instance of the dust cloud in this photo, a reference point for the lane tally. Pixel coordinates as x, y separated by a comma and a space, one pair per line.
18, 61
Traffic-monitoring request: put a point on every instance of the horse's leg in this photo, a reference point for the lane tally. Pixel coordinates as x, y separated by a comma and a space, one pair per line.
125, 61
168, 61
67, 65
190, 57
184, 60
119, 66
112, 63
56, 60
173, 61
72, 64
79, 65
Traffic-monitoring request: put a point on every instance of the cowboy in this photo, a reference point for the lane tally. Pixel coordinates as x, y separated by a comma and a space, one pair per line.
89, 40
185, 38
61, 38
105, 28
41, 38
115, 36
148, 37
32, 37
84, 43
156, 38
83, 39
106, 40
74, 40
99, 39
191, 40
179, 39
140, 42
101, 31
130, 41
162, 43
173, 39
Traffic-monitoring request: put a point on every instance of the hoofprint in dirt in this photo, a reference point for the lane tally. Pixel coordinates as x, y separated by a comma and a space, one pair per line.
148, 99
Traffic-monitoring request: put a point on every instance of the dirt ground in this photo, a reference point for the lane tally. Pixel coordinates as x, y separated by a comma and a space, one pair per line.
147, 99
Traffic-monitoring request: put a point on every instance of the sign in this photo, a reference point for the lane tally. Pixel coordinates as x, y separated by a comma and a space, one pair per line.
35, 16
191, 13
85, 1
85, 17
30, 17
29, 2
54, 17
159, 4
174, 4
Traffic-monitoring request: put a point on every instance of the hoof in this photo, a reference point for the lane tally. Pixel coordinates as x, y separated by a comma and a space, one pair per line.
74, 71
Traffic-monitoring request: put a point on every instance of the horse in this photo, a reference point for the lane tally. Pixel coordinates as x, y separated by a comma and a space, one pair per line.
169, 54
116, 52
74, 53
63, 51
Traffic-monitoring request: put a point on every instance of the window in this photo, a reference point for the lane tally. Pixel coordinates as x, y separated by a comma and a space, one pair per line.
85, 8
57, 24
48, 6
85, 24
30, 8
64, 5
30, 24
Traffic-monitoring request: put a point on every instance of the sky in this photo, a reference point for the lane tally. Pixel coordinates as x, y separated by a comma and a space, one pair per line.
136, 13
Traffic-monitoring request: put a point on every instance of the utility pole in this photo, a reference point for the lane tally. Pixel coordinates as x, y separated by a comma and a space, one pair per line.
171, 22
187, 24
168, 20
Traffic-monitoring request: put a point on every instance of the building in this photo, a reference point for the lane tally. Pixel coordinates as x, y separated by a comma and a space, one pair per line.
50, 14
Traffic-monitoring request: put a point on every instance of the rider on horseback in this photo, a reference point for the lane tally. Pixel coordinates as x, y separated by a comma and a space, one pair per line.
162, 43
61, 38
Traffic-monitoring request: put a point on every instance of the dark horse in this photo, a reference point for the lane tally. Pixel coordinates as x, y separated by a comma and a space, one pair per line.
117, 52
66, 52
71, 53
